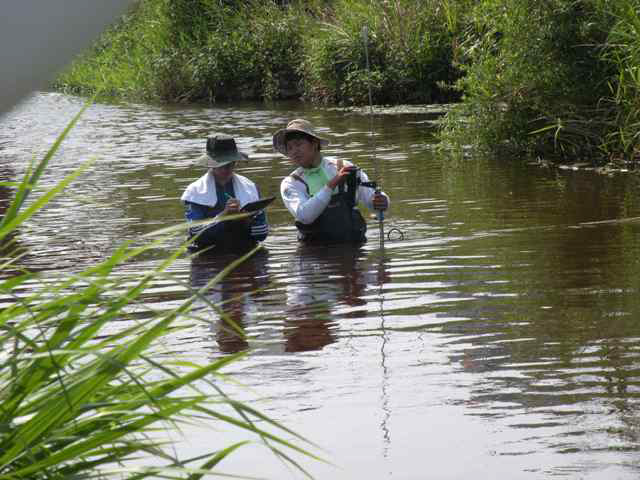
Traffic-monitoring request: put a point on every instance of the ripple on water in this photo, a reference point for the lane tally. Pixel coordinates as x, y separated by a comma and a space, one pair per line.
503, 320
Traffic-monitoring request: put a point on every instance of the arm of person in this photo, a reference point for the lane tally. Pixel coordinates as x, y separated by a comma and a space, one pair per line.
304, 208
259, 228
366, 195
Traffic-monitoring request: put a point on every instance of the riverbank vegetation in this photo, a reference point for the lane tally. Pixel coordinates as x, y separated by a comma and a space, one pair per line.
552, 79
206, 50
556, 79
87, 386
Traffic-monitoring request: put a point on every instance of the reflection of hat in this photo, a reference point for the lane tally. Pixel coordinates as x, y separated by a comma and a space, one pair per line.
297, 125
220, 151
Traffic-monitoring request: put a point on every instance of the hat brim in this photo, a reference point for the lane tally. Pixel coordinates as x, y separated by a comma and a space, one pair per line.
279, 144
208, 161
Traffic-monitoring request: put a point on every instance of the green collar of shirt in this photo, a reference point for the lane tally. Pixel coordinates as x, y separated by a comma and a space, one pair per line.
315, 177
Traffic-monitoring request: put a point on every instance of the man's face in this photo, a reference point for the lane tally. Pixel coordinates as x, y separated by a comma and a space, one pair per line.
224, 173
302, 151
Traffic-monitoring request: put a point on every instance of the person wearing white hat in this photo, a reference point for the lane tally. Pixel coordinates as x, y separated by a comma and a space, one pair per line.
322, 193
221, 192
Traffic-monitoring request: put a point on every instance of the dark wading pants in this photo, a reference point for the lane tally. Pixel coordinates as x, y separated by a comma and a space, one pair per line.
236, 239
339, 223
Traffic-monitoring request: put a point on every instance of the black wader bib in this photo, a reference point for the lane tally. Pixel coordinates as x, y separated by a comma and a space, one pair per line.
237, 237
340, 222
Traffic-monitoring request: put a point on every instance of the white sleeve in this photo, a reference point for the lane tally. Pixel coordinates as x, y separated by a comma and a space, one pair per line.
305, 209
365, 194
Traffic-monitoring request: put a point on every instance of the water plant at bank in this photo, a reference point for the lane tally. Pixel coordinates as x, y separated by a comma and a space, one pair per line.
411, 48
86, 386
553, 80
193, 51
205, 51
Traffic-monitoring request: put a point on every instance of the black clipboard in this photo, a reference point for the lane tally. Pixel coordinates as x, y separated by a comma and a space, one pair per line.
259, 204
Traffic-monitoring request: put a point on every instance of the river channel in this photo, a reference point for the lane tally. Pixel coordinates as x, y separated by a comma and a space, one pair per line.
497, 337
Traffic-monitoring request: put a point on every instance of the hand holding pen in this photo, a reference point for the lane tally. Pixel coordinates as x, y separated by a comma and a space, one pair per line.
232, 206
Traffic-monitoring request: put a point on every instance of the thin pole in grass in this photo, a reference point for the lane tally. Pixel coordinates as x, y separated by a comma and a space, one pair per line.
380, 213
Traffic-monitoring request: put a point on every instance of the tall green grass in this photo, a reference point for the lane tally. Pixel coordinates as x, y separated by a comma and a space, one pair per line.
622, 52
532, 75
122, 62
411, 47
206, 50
194, 51
86, 387
554, 79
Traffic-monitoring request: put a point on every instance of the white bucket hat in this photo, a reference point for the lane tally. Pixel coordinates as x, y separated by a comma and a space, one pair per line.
297, 125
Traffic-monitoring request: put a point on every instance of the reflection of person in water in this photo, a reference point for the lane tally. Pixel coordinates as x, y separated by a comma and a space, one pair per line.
323, 280
237, 294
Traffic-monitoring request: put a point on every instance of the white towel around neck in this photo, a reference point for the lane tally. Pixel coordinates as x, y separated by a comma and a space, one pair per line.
203, 190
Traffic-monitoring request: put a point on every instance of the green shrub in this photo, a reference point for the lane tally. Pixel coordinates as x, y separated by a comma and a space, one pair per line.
410, 45
622, 52
194, 50
535, 79
205, 50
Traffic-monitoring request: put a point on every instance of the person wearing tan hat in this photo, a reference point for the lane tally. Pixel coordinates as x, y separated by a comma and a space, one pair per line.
322, 193
221, 192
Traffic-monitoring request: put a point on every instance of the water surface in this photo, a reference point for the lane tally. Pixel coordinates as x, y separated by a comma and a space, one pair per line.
497, 339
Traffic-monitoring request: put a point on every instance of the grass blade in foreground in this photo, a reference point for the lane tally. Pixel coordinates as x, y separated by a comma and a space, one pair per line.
76, 400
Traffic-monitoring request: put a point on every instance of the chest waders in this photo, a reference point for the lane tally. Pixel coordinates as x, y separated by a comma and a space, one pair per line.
340, 222
237, 237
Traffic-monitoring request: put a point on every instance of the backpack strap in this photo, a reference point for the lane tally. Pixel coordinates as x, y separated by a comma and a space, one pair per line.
295, 176
339, 165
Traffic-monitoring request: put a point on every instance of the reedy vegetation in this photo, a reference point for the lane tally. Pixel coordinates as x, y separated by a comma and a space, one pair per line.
556, 79
538, 80
211, 50
85, 385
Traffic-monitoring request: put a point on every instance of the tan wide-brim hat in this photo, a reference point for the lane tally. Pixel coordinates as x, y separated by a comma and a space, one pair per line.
221, 150
297, 125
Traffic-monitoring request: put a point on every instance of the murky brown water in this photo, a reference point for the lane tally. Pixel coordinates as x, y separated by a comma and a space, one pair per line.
498, 339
